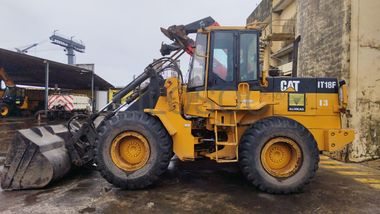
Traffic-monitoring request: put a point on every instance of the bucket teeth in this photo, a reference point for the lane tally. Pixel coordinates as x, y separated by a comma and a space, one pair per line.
36, 157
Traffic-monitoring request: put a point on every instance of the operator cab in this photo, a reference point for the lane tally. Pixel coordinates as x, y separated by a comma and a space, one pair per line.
13, 95
231, 58
222, 60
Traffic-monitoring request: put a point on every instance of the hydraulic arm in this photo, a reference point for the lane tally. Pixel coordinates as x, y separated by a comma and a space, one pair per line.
179, 35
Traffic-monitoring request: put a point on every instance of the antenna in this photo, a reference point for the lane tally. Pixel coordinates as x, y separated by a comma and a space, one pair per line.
69, 44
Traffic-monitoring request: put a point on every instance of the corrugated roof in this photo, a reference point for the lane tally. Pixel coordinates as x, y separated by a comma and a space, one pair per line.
29, 70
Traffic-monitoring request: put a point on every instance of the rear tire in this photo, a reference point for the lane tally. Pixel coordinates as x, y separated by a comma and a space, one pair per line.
116, 167
278, 155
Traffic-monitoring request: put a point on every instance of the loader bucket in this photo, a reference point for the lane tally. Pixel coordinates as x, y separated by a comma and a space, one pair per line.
36, 157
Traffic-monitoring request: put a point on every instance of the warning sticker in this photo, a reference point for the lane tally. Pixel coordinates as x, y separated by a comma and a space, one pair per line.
296, 102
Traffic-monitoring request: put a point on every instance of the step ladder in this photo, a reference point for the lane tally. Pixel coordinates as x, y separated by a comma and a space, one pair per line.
234, 130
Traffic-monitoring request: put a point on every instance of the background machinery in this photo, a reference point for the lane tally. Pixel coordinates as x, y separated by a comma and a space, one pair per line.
65, 105
15, 100
228, 111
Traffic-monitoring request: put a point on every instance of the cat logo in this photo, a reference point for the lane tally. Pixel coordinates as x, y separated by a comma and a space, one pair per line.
289, 85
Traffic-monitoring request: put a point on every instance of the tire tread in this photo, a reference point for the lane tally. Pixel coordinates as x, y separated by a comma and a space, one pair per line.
260, 128
163, 156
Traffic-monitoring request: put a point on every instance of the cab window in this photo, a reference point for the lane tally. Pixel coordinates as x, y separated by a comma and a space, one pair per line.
248, 57
197, 72
222, 70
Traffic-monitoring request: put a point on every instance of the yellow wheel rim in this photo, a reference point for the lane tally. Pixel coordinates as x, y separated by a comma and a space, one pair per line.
4, 111
281, 157
130, 151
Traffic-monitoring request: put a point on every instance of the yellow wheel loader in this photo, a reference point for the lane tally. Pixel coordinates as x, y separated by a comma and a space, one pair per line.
13, 99
228, 111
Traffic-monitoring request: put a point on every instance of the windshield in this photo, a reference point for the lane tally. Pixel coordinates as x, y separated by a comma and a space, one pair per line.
197, 72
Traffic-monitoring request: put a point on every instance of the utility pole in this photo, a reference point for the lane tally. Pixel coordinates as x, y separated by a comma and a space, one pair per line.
70, 45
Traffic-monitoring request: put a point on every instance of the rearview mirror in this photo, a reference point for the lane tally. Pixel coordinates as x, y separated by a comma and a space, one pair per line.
2, 85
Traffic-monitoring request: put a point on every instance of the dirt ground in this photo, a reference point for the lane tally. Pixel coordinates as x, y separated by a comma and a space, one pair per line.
198, 187
203, 186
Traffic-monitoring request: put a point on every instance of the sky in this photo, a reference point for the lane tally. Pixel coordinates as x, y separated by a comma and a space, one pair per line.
121, 36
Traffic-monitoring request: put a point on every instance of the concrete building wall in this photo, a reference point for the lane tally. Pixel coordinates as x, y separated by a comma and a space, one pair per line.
364, 94
324, 27
261, 12
101, 99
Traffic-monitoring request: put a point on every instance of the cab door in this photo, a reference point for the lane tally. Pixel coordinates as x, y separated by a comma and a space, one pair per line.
221, 79
195, 98
249, 87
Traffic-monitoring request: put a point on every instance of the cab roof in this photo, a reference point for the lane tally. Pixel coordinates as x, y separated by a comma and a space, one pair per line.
240, 28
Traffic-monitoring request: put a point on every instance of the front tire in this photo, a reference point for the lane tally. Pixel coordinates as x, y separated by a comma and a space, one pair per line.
133, 150
4, 110
278, 155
